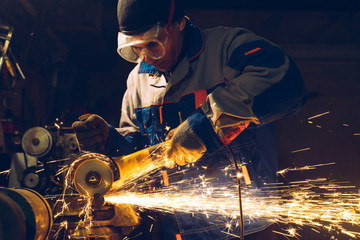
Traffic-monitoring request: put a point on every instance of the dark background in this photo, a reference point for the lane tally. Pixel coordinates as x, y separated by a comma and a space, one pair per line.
67, 51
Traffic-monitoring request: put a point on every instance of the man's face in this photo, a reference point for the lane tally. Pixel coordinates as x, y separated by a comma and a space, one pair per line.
160, 46
172, 50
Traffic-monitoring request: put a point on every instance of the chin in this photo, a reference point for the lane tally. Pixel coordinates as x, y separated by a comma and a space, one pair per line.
161, 67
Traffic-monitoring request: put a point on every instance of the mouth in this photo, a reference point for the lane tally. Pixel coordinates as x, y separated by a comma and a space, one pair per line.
159, 64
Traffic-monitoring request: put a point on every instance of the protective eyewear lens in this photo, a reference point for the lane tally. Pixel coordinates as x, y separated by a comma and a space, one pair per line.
151, 44
152, 49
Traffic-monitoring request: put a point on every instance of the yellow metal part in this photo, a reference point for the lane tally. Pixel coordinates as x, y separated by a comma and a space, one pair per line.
25, 214
125, 216
246, 175
94, 173
141, 162
130, 165
42, 212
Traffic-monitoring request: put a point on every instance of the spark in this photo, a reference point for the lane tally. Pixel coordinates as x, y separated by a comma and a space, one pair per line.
167, 128
319, 115
6, 172
315, 230
316, 203
63, 225
301, 150
233, 235
40, 170
61, 170
349, 233
291, 232
309, 167
85, 212
58, 160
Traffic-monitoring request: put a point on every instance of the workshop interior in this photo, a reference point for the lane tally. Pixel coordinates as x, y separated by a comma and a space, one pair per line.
58, 61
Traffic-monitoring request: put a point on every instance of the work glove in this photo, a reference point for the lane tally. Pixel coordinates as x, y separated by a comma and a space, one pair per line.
92, 133
184, 146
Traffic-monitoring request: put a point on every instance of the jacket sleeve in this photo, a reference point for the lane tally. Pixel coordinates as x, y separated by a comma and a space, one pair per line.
263, 85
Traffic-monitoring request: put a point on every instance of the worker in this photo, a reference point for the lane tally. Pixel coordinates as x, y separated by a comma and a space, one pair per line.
218, 88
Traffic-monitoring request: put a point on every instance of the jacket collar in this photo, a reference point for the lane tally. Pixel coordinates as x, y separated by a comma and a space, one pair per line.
147, 68
195, 39
194, 42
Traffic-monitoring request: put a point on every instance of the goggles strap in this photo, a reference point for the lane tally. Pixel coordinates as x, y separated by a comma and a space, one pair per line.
171, 13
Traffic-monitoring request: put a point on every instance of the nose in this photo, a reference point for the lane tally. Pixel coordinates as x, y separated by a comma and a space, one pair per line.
148, 59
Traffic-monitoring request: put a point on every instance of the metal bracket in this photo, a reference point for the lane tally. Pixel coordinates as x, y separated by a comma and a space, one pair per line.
4, 47
6, 54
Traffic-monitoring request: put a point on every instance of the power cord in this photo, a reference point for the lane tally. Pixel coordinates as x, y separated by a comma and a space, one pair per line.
241, 237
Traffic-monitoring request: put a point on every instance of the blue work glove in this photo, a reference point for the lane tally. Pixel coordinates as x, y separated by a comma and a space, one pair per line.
184, 146
92, 133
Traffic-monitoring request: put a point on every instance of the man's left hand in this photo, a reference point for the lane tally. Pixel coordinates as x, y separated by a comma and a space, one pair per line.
185, 146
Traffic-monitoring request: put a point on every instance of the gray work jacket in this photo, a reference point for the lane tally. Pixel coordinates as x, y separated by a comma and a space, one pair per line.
225, 78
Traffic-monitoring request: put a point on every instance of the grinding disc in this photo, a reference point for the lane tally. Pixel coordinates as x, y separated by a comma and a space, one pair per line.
92, 177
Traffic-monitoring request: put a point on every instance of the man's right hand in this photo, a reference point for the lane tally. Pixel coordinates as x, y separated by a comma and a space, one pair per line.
92, 133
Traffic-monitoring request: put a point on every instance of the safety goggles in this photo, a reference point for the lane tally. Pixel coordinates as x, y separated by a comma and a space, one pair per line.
152, 44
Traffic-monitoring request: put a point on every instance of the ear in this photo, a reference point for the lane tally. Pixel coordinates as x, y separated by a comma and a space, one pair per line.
182, 24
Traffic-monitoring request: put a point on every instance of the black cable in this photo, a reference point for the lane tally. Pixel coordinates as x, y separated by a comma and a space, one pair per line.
241, 237
26, 161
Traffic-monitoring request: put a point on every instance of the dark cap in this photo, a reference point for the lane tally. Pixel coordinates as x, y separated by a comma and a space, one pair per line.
137, 16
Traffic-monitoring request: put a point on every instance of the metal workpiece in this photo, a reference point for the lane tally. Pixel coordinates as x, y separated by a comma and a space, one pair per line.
98, 201
104, 222
25, 214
